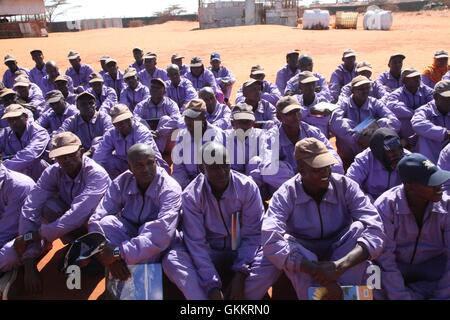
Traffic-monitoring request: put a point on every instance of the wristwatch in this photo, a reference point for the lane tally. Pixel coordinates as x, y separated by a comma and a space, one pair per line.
27, 237
116, 253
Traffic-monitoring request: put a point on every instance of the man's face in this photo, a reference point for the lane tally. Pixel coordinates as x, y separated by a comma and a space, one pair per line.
190, 122
132, 82
253, 92
86, 106
308, 89
52, 71
215, 64
150, 64
157, 91
290, 119
62, 86
349, 63
58, 107
137, 54
174, 76
38, 58
18, 124
244, 125
197, 71
97, 87
178, 62
23, 91
124, 127
75, 63
396, 65
112, 68
306, 66
393, 156
9, 99
441, 62
210, 101
432, 194
412, 84
292, 61
218, 174
12, 65
442, 103
70, 163
103, 65
314, 178
361, 93
143, 168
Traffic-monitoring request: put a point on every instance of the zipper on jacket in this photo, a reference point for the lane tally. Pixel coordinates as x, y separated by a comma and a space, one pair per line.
417, 240
321, 221
389, 181
142, 208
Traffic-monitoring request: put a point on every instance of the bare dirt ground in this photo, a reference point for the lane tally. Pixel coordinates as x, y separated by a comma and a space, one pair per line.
418, 35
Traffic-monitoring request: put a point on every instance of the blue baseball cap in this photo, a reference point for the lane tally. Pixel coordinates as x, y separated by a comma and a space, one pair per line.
215, 56
416, 168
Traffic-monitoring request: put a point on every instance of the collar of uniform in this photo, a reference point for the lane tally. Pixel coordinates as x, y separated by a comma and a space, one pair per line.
217, 109
94, 118
152, 189
303, 197
434, 111
402, 207
418, 93
365, 106
230, 191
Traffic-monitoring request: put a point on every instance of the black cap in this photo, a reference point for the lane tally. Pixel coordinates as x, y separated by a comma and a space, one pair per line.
416, 168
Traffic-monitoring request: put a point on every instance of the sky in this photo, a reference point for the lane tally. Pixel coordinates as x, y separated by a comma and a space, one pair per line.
89, 9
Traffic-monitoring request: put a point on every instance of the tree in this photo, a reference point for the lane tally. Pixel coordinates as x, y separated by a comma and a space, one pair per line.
54, 8
171, 11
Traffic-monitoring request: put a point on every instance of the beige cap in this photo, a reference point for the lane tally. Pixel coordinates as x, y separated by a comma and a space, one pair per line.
158, 81
95, 77
130, 72
177, 56
410, 73
314, 153
250, 82
138, 49
359, 81
14, 110
21, 82
9, 57
194, 108
349, 53
53, 96
242, 111
287, 104
362, 66
397, 54
85, 94
196, 62
64, 143
6, 91
120, 112
61, 78
443, 88
441, 54
73, 55
150, 55
257, 70
110, 60
307, 77
104, 58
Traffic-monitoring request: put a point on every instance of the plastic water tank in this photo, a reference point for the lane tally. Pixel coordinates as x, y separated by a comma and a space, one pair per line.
378, 20
316, 19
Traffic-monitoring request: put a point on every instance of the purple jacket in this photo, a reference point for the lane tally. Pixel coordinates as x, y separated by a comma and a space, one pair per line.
286, 160
348, 116
49, 86
8, 77
145, 77
292, 211
25, 151
15, 187
207, 224
118, 85
318, 121
407, 244
283, 76
266, 112
377, 91
167, 107
52, 122
184, 70
36, 100
37, 76
138, 67
185, 157
131, 97
105, 100
444, 162
155, 213
220, 117
81, 195
339, 78
403, 104
446, 76
371, 175
181, 94
223, 74
387, 80
206, 79
432, 127
81, 78
87, 131
114, 144
322, 86
269, 93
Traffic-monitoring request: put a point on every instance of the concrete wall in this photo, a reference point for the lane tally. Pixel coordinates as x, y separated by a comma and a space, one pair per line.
222, 14
287, 17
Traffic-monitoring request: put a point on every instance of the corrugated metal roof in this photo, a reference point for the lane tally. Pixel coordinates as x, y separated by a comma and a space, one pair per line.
21, 7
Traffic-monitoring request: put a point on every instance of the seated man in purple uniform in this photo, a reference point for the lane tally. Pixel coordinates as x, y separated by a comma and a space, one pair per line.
138, 55
58, 112
217, 113
177, 59
201, 77
38, 72
224, 77
151, 71
222, 212
135, 91
344, 74
49, 81
320, 228
60, 204
415, 263
288, 71
391, 80
62, 84
105, 97
10, 73
111, 152
114, 77
79, 72
34, 100
138, 214
178, 88
431, 122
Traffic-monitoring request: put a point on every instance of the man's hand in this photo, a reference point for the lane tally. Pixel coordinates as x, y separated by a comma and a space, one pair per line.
236, 289
326, 273
106, 257
215, 294
32, 277
119, 270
